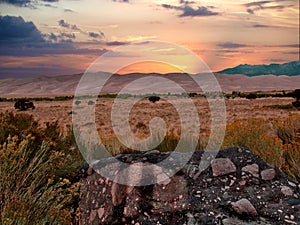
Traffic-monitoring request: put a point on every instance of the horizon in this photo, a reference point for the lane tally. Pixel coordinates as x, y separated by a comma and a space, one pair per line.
131, 69
65, 37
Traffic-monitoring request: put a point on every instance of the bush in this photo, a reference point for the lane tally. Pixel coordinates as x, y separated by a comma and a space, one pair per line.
255, 134
251, 96
154, 99
296, 94
277, 142
38, 169
24, 104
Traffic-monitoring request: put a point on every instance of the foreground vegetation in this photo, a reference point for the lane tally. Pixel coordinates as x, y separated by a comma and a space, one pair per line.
37, 172
38, 165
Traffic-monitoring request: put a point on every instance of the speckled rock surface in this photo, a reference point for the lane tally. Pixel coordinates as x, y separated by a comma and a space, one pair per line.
237, 187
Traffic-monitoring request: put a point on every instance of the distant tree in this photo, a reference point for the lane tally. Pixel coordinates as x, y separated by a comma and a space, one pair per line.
251, 96
154, 99
296, 95
23, 105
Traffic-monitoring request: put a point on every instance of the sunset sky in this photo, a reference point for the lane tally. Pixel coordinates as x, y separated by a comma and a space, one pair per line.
58, 37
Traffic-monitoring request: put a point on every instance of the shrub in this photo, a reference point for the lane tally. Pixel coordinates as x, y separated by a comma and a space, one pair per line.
251, 96
277, 142
296, 94
38, 168
24, 104
154, 99
289, 133
255, 134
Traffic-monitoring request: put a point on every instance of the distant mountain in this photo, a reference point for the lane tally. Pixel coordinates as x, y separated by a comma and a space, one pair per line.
66, 85
289, 69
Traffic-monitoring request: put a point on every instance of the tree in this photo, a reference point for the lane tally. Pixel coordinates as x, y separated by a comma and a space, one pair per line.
24, 104
154, 99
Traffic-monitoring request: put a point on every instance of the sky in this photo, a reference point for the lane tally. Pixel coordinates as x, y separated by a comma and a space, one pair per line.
62, 37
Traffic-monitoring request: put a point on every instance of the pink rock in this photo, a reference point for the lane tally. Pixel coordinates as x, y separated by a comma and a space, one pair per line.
222, 166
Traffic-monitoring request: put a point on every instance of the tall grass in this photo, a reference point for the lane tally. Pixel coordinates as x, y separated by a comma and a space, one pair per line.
276, 141
38, 165
38, 169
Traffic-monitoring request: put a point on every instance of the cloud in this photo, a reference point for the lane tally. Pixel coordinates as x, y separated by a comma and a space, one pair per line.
68, 10
231, 45
68, 35
96, 35
201, 11
63, 23
260, 26
126, 1
188, 11
250, 11
21, 38
16, 30
17, 2
50, 6
116, 43
25, 3
62, 37
266, 5
186, 2
288, 46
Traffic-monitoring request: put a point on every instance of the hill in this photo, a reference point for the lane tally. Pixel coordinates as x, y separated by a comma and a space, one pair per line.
289, 69
66, 85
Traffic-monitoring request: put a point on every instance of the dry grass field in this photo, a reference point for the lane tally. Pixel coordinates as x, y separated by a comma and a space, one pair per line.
143, 111
42, 158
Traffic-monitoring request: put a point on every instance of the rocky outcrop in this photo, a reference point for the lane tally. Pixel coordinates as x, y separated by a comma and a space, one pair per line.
237, 187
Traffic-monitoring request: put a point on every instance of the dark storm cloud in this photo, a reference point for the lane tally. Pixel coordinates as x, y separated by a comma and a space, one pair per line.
231, 45
16, 30
116, 43
17, 2
25, 3
21, 38
188, 11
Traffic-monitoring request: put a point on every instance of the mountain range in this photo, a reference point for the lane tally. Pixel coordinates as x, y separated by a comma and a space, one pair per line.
66, 85
246, 78
289, 69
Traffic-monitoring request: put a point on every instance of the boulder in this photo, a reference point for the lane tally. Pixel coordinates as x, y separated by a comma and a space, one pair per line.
236, 187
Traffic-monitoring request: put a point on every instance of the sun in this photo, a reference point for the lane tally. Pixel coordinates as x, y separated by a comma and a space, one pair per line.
149, 67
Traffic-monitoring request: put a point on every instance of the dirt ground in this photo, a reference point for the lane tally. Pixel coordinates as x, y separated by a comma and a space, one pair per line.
143, 111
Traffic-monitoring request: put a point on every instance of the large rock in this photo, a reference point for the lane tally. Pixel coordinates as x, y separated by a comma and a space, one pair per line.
237, 187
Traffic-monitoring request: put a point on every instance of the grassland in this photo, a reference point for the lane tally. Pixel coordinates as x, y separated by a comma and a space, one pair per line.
39, 158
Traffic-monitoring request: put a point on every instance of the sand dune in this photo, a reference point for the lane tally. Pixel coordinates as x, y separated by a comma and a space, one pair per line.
66, 85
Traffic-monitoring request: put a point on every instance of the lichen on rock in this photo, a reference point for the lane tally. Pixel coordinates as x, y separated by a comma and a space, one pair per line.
237, 187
